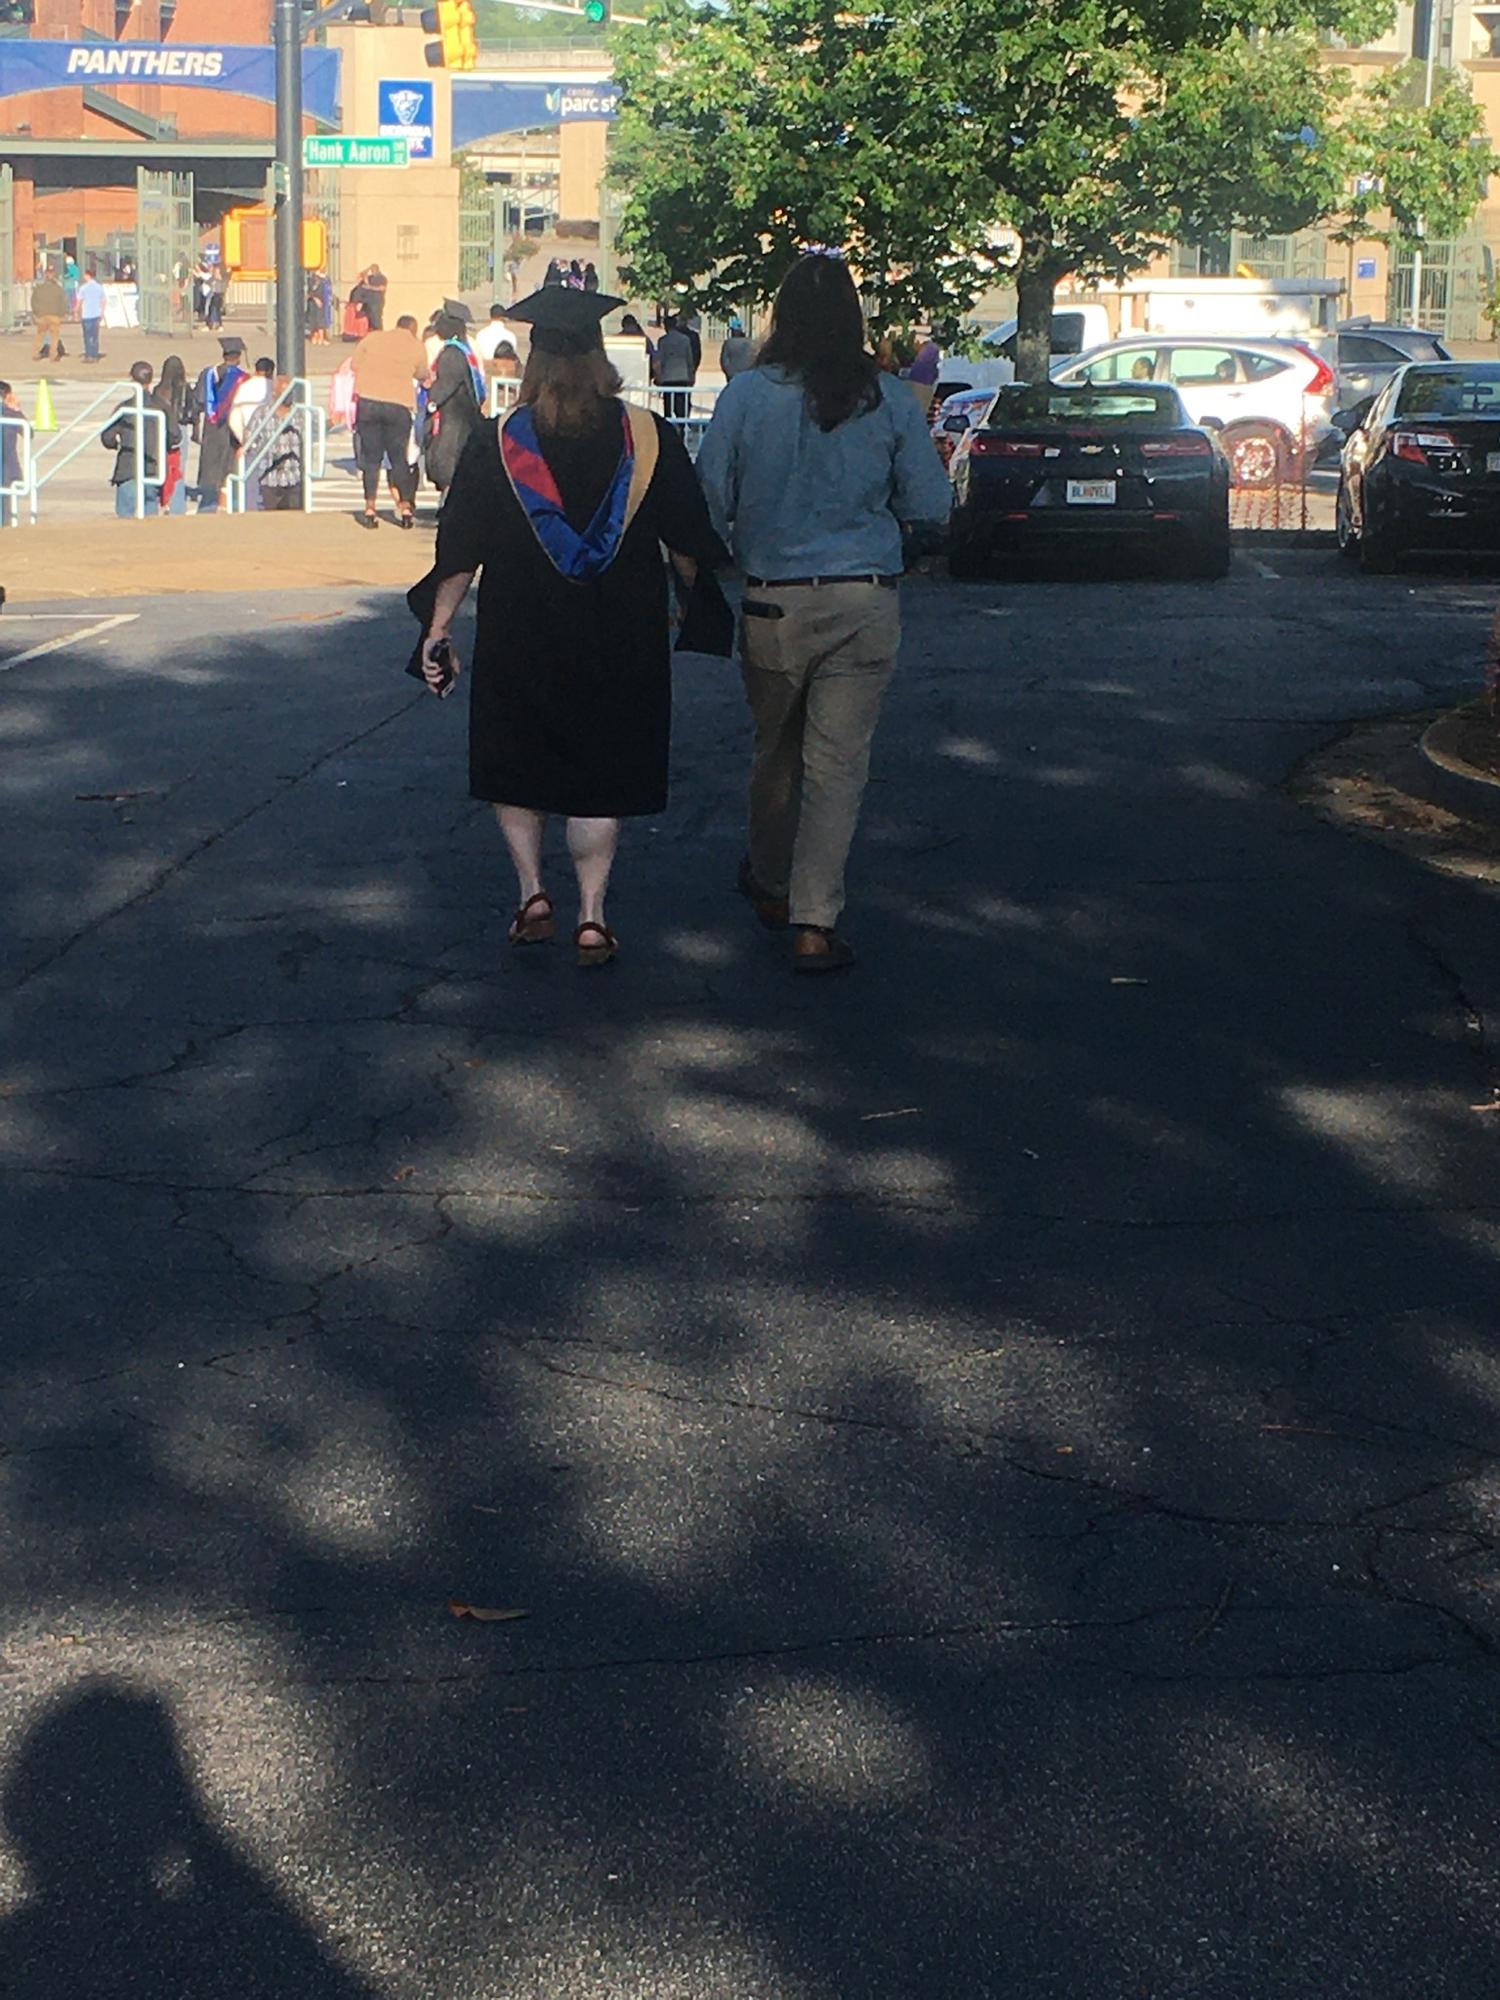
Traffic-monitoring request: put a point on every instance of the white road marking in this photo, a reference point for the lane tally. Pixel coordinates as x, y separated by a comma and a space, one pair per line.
1263, 569
93, 631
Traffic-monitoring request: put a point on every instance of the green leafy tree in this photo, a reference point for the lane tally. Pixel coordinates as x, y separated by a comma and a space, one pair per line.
754, 128
1096, 131
1413, 170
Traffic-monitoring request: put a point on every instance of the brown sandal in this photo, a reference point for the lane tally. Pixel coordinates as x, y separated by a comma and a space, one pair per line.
600, 953
528, 929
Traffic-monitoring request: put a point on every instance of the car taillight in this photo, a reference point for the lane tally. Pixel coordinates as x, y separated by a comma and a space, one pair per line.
1415, 445
985, 445
1324, 379
1192, 444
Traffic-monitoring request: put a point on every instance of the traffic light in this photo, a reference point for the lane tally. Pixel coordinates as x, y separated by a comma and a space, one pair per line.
452, 21
596, 13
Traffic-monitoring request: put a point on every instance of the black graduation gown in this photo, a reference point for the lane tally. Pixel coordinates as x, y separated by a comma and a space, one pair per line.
218, 450
451, 400
570, 691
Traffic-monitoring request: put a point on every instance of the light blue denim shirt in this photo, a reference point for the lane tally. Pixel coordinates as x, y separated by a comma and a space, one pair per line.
791, 500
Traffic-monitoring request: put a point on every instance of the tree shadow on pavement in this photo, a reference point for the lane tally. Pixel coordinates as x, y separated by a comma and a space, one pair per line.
996, 1456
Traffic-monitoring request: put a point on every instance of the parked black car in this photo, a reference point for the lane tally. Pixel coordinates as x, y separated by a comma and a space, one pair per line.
1090, 463
1421, 468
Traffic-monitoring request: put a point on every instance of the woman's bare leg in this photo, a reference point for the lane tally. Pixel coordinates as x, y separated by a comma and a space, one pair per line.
523, 836
592, 844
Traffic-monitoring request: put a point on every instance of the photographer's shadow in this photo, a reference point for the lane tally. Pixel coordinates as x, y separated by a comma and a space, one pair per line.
130, 1889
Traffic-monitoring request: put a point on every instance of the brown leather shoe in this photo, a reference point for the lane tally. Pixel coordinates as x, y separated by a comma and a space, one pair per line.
774, 911
815, 949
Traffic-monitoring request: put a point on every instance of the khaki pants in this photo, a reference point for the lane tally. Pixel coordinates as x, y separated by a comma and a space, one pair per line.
48, 334
816, 671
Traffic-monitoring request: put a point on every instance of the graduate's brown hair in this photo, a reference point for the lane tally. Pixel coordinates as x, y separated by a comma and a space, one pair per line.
566, 391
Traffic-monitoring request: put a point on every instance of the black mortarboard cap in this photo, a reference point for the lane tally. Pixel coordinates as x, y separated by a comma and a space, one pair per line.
230, 343
456, 309
564, 321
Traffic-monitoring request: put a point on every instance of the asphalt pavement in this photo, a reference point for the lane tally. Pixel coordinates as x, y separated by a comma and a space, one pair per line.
997, 1453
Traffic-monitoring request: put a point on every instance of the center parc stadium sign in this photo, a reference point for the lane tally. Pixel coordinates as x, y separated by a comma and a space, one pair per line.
241, 69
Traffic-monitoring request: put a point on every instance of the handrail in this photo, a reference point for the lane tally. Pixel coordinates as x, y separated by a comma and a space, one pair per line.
86, 422
18, 490
296, 402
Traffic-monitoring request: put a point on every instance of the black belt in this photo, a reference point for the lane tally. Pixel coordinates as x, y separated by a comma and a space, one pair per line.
816, 582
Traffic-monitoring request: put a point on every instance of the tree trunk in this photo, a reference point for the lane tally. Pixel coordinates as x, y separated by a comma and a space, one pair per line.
1036, 285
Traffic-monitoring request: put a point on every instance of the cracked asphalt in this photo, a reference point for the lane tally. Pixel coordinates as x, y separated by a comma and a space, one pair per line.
998, 1455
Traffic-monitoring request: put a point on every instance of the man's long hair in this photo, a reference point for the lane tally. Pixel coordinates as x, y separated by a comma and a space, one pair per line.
818, 336
568, 392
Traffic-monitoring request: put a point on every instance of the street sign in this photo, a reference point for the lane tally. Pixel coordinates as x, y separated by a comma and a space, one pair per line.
344, 149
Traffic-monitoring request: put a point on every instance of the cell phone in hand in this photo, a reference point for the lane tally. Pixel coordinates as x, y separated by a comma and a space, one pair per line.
441, 657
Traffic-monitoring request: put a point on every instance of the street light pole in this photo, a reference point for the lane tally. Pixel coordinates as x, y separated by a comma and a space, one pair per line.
1435, 28
291, 282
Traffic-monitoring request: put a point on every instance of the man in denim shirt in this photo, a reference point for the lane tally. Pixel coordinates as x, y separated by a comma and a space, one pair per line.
812, 463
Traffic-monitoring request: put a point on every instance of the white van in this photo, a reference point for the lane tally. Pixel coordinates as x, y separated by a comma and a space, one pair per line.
1075, 329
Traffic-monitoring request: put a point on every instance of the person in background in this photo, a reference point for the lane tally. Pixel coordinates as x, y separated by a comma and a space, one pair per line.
174, 393
213, 399
375, 283
11, 435
631, 325
91, 314
388, 366
140, 460
455, 403
813, 462
574, 278
506, 365
312, 311
273, 437
676, 368
252, 393
554, 274
926, 364
495, 329
590, 278
49, 306
218, 291
737, 352
70, 282
566, 507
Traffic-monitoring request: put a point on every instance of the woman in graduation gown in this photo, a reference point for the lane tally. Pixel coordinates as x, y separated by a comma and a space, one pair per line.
454, 402
565, 507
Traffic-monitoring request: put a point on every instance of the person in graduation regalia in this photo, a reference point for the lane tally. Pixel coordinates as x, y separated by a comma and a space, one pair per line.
565, 507
218, 447
455, 400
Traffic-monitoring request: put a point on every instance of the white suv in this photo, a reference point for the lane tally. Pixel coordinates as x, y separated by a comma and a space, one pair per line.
1271, 401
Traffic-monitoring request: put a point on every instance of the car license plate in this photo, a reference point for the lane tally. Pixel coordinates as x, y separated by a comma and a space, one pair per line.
1091, 493
1492, 463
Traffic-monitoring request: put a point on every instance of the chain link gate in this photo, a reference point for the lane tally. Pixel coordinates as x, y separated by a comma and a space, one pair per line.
480, 250
10, 296
164, 248
321, 202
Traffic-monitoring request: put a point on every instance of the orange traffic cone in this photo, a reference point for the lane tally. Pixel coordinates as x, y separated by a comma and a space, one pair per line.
46, 417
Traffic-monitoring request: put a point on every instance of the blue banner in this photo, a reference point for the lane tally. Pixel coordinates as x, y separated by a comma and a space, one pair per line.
403, 110
483, 109
244, 71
